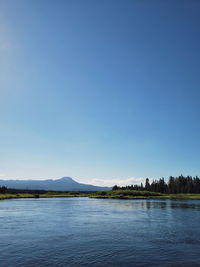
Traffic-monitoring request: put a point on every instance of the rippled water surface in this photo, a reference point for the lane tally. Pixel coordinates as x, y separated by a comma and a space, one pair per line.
95, 232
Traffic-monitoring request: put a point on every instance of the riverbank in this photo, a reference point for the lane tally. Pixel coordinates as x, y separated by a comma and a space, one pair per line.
112, 194
46, 195
164, 196
131, 194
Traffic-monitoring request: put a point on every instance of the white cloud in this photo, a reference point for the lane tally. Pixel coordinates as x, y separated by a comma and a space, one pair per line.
117, 181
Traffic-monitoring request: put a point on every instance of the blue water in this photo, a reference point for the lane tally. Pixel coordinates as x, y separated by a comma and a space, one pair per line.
96, 232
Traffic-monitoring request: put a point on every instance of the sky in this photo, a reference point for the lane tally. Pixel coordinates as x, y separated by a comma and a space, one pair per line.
102, 91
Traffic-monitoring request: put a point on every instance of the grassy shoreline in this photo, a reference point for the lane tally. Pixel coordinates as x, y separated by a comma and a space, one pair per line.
46, 195
118, 194
131, 194
163, 197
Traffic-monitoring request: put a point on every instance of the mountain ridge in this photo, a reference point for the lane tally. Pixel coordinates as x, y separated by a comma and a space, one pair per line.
61, 184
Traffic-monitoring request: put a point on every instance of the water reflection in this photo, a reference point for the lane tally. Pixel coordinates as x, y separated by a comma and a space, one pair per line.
151, 204
171, 204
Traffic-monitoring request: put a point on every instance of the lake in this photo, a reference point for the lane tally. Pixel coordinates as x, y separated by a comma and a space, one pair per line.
99, 232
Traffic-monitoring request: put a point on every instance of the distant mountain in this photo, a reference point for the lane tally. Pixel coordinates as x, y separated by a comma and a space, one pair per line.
62, 184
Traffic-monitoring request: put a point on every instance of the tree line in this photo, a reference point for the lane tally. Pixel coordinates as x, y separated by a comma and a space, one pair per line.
3, 189
6, 190
175, 185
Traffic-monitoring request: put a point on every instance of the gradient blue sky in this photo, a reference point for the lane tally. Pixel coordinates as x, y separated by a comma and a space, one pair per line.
99, 89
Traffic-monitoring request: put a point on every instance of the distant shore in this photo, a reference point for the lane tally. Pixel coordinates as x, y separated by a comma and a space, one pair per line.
112, 194
46, 195
163, 197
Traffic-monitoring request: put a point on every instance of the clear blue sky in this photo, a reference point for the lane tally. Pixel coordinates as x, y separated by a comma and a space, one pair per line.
99, 89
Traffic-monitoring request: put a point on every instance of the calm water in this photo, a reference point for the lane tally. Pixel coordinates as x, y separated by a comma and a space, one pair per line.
92, 232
